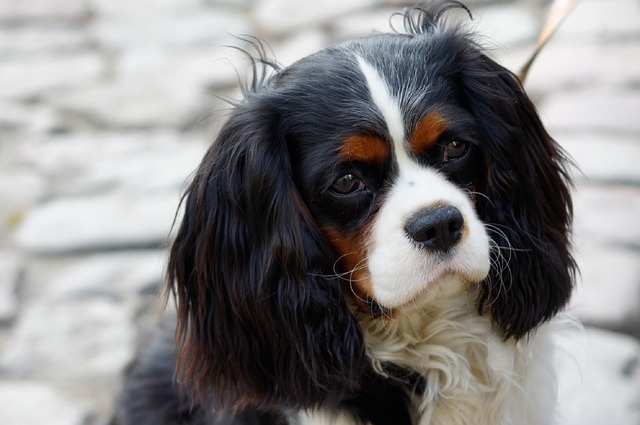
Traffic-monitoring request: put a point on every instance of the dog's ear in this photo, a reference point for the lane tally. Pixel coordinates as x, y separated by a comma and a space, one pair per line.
262, 321
526, 203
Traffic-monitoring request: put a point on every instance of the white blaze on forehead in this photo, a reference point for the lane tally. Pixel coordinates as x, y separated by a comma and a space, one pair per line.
400, 271
388, 107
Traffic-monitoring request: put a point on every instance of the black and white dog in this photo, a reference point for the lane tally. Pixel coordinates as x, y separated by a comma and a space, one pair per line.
379, 234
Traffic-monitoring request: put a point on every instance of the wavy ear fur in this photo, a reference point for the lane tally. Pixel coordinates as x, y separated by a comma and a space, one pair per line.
262, 321
527, 206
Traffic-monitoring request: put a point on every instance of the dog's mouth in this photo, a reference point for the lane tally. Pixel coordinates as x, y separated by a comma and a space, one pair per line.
377, 310
445, 286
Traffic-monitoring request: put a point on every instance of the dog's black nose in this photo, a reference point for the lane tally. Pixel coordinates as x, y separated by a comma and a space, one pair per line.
437, 229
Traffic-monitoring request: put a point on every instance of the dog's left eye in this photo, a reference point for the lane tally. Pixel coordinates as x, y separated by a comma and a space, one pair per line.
347, 184
454, 150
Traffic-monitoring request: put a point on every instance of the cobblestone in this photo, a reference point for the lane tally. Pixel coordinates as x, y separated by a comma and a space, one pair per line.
611, 110
106, 107
27, 78
590, 393
603, 158
609, 215
35, 403
9, 275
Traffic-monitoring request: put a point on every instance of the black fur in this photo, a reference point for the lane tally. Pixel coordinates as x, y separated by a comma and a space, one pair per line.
527, 202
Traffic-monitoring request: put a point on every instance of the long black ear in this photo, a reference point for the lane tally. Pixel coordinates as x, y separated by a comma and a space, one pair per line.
527, 203
262, 322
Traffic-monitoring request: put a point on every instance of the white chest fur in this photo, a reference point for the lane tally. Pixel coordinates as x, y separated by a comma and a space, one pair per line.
472, 375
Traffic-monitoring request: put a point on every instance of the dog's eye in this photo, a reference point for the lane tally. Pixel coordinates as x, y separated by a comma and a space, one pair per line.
454, 150
347, 184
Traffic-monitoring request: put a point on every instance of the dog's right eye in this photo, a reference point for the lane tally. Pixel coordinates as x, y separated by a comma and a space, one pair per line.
347, 184
454, 150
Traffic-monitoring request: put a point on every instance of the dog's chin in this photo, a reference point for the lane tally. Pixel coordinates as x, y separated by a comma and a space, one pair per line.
449, 286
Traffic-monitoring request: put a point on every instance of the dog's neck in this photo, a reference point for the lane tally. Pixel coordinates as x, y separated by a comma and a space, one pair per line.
470, 372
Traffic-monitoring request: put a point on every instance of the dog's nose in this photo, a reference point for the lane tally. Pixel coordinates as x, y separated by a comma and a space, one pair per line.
437, 229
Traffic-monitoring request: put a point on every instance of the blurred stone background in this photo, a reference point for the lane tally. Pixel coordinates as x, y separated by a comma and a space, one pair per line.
106, 107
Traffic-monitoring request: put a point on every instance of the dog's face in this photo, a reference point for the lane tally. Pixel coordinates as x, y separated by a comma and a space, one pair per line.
386, 173
388, 165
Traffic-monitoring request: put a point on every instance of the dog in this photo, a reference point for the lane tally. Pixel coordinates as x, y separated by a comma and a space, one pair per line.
379, 234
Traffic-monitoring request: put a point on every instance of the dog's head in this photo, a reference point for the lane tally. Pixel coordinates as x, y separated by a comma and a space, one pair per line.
383, 174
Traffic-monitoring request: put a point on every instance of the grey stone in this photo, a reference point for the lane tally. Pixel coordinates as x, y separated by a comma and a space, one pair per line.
98, 222
280, 17
168, 27
133, 103
120, 7
565, 65
10, 268
597, 20
301, 45
608, 214
210, 66
76, 339
118, 275
20, 11
81, 152
30, 118
600, 378
593, 109
140, 169
608, 158
506, 25
31, 77
609, 276
37, 403
23, 41
21, 188
365, 23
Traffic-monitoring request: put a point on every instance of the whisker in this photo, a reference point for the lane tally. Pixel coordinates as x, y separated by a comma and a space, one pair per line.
337, 274
500, 262
482, 195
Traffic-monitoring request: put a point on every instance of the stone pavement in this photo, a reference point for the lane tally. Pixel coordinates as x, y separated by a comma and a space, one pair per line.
106, 107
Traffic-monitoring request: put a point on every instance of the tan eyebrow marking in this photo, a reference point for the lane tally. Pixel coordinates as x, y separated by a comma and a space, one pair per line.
426, 132
368, 149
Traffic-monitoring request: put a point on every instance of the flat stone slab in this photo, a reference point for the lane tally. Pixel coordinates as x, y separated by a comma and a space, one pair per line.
608, 291
121, 275
140, 170
603, 158
78, 339
34, 75
597, 20
20, 11
106, 190
36, 403
300, 45
600, 109
599, 380
20, 190
592, 62
99, 222
129, 104
81, 153
27, 118
37, 40
608, 214
281, 17
10, 269
505, 25
170, 26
